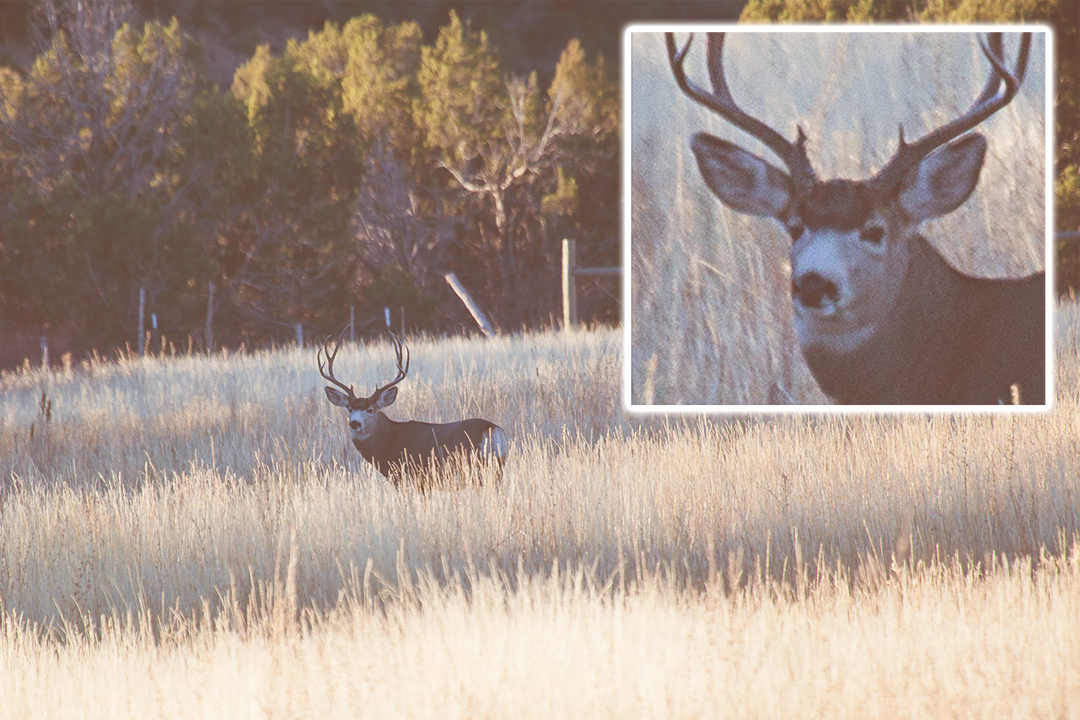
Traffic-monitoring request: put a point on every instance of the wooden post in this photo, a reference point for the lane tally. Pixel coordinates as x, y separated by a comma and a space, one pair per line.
210, 321
472, 307
569, 292
570, 271
300, 334
142, 321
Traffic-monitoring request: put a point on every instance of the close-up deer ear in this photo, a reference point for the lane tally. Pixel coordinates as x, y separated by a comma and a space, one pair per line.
944, 179
386, 398
741, 180
336, 397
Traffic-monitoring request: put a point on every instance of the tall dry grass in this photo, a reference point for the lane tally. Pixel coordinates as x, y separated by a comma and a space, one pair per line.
711, 318
194, 536
936, 644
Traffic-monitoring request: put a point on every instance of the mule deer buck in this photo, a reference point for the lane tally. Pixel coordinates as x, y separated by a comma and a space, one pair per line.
397, 448
881, 317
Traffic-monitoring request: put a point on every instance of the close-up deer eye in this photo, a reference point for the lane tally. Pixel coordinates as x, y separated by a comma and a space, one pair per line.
795, 231
872, 234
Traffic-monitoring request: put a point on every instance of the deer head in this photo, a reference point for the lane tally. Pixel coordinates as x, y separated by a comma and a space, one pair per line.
363, 411
853, 242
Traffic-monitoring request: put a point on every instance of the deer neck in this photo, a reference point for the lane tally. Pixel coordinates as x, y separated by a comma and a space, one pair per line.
376, 447
911, 355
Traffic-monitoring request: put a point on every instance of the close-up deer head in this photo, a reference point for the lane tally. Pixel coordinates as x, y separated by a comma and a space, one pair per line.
881, 317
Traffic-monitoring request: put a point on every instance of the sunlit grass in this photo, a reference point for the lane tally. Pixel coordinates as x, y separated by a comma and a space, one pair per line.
195, 536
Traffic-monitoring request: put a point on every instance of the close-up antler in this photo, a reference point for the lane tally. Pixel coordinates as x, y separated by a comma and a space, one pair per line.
330, 362
721, 102
993, 98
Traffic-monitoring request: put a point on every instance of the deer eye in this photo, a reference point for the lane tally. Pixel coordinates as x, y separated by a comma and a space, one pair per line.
872, 234
795, 231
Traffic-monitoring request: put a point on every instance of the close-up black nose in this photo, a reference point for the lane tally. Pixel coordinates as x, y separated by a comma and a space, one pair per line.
354, 424
812, 288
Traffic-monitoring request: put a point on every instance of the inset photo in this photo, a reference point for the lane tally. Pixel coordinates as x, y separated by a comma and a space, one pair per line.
833, 219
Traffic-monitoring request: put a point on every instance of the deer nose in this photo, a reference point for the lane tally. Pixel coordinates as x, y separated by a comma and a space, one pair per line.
811, 289
354, 424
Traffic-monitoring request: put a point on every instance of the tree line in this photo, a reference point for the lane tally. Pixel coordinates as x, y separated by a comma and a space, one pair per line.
346, 174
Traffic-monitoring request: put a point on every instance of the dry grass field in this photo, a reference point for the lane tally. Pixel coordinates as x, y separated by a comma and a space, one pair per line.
194, 537
711, 318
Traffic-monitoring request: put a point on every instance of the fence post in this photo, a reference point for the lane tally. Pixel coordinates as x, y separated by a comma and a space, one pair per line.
300, 334
570, 271
569, 292
142, 322
210, 321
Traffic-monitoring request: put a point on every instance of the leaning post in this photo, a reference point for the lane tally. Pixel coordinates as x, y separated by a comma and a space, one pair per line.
470, 305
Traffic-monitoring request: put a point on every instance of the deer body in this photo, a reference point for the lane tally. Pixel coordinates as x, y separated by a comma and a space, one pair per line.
398, 448
880, 315
395, 445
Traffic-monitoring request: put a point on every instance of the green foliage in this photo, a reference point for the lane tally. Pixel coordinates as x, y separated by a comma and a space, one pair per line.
584, 95
458, 110
516, 155
97, 183
375, 67
73, 264
1067, 201
862, 11
972, 11
564, 200
284, 247
316, 181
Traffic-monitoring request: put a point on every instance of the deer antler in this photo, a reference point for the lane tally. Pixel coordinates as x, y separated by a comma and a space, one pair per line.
402, 371
988, 103
722, 103
330, 362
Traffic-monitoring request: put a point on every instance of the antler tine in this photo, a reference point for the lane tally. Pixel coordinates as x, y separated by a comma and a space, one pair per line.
330, 362
992, 98
401, 371
722, 103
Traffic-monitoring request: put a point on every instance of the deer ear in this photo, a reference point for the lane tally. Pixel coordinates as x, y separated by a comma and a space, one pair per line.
386, 398
336, 397
944, 179
743, 181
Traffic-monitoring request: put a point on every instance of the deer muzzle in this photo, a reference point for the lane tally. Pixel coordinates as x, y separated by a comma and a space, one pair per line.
814, 292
